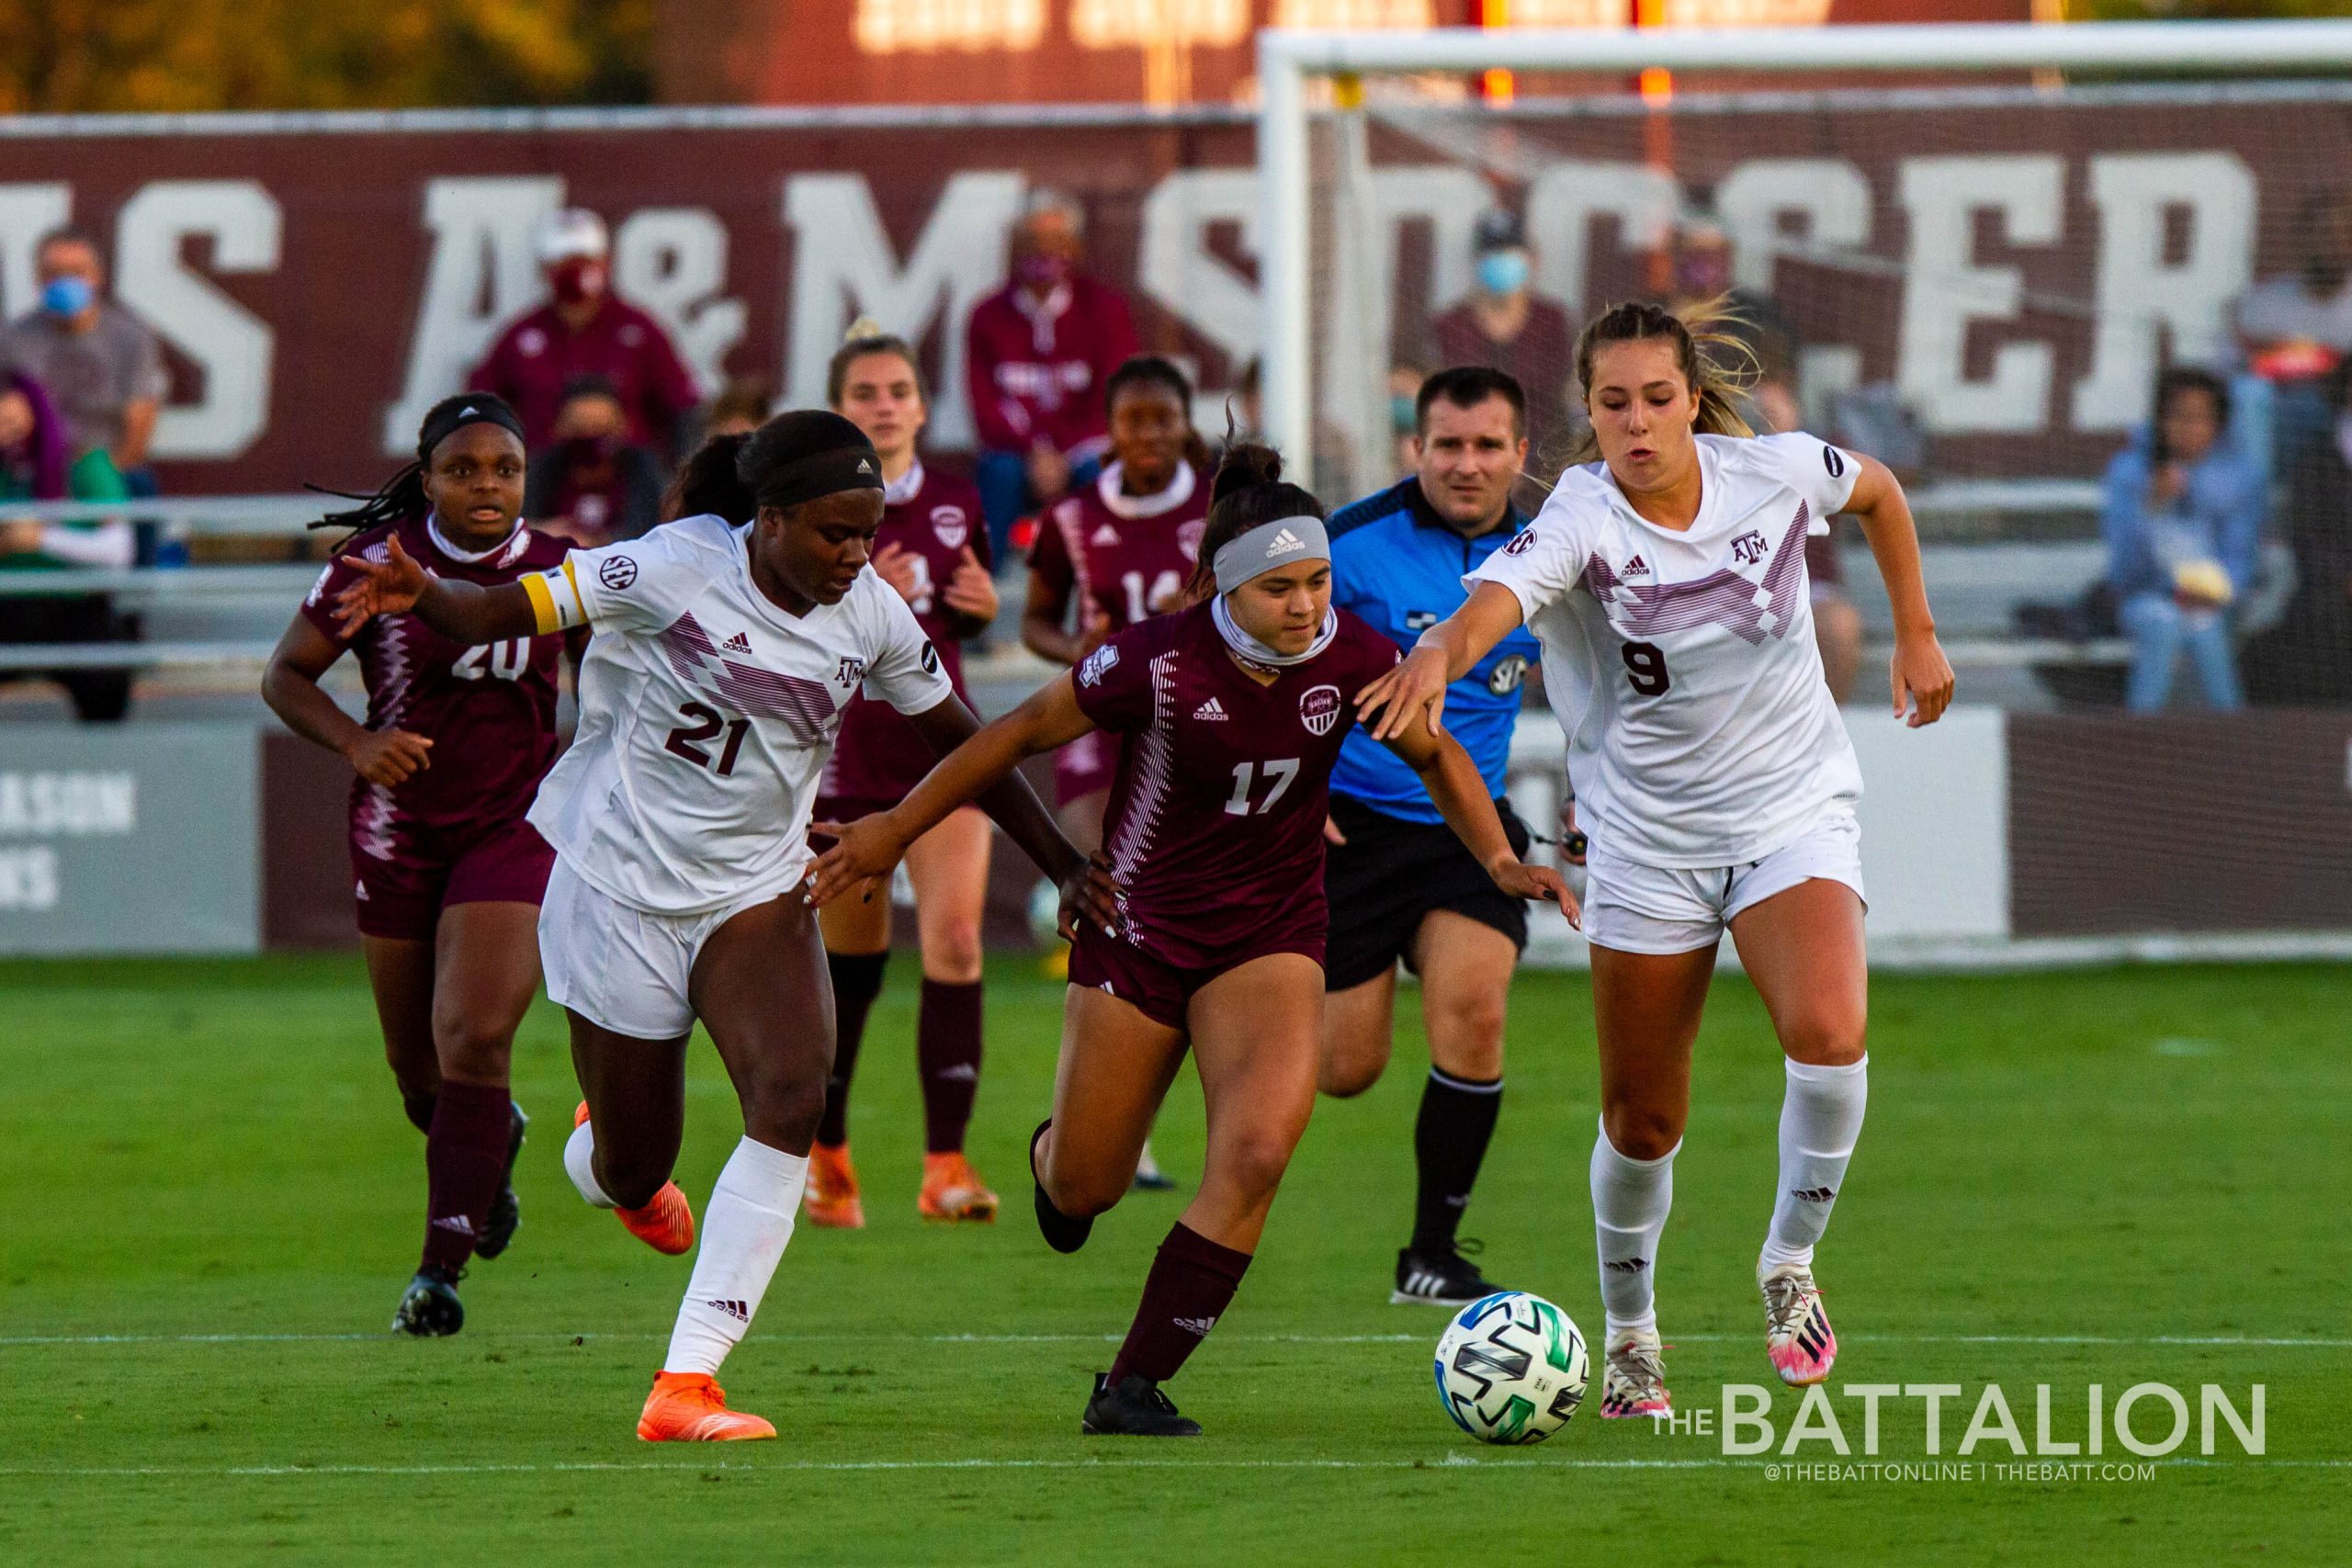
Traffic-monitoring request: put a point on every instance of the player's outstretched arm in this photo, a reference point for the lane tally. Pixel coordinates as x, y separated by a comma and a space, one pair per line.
1459, 792
872, 846
1009, 802
462, 612
1920, 675
1442, 656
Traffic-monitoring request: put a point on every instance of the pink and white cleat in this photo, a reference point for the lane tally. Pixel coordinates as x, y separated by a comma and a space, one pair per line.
1797, 1331
1633, 1379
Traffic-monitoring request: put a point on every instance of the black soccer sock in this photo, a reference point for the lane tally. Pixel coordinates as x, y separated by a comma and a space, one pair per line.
947, 1051
1450, 1139
858, 980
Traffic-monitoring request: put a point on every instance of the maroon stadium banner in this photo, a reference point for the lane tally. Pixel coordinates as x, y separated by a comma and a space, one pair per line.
2016, 265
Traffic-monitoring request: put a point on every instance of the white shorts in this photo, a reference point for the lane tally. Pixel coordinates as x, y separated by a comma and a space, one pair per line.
625, 969
1646, 909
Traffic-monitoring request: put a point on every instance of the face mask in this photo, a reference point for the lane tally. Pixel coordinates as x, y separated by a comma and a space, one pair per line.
67, 296
1041, 271
1705, 275
1402, 414
1502, 272
577, 280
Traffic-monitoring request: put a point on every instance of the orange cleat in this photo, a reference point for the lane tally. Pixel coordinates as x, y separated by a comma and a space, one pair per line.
667, 1223
687, 1407
830, 1196
952, 1191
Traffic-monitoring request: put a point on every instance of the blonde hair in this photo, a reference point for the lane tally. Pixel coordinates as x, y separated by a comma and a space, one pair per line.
1715, 362
865, 336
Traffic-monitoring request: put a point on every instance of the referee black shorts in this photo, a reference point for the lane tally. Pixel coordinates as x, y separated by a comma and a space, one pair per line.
1390, 875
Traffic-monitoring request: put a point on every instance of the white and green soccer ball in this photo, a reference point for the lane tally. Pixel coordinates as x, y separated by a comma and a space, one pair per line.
1511, 1368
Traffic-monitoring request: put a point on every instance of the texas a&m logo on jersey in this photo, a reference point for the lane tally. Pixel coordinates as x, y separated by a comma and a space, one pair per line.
1748, 548
852, 673
951, 525
1318, 710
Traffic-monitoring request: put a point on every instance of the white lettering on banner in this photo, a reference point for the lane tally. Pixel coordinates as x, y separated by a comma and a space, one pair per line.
843, 266
52, 805
482, 274
1944, 292
233, 348
2139, 292
27, 212
673, 262
1176, 268
1566, 200
28, 878
1830, 194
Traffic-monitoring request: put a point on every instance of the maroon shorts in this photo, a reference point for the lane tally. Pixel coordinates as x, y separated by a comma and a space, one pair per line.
1163, 991
1084, 767
403, 899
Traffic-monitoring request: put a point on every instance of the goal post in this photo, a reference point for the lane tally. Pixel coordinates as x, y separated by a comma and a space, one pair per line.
1289, 61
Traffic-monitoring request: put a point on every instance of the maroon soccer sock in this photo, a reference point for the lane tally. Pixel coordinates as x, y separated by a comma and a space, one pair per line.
419, 1109
947, 1051
1191, 1284
465, 1160
858, 980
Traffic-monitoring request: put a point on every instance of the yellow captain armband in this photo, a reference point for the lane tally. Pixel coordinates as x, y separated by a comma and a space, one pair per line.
555, 604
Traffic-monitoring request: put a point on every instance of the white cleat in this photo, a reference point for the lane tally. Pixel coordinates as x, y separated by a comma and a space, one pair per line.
1633, 1379
1797, 1331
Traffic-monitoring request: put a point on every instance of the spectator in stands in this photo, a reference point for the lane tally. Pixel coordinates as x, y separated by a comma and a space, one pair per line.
742, 407
2306, 659
1037, 355
2183, 522
1505, 325
102, 368
585, 329
592, 484
39, 461
1702, 272
1837, 624
2296, 327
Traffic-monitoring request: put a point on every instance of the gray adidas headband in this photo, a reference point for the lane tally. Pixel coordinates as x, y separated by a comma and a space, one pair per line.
1268, 545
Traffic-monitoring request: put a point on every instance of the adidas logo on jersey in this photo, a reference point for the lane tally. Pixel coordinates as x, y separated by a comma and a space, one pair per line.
1637, 566
1285, 543
1211, 710
1104, 535
740, 643
735, 1310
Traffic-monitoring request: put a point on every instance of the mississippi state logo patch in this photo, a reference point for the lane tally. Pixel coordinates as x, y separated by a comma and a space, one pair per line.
617, 572
1318, 710
950, 525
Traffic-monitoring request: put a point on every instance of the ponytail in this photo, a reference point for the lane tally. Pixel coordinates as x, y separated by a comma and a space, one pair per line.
1716, 364
1248, 489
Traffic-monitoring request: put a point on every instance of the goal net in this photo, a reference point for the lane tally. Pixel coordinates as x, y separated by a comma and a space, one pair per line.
1971, 253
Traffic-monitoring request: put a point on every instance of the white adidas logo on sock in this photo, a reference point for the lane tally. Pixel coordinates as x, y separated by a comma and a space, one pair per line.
1212, 709
1285, 543
960, 1072
458, 1223
1200, 1325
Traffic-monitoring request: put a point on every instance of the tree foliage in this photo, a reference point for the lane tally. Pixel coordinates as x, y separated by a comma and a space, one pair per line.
76, 56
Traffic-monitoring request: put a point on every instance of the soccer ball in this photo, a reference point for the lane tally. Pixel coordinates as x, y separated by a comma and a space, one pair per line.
1511, 1368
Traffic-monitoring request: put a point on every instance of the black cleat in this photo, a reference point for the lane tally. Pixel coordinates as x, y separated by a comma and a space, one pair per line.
1062, 1233
1440, 1279
1137, 1408
505, 1210
430, 1309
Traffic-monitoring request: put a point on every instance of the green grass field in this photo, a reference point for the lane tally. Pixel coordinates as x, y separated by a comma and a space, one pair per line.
2110, 1178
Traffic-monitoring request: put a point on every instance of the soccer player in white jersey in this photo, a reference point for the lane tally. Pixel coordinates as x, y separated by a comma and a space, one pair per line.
722, 658
1713, 777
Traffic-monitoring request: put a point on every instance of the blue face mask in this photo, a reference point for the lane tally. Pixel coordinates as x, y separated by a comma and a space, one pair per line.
66, 295
1502, 272
1402, 415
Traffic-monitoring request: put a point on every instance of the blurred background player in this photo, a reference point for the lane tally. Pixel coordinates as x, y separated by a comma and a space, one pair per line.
934, 551
585, 329
460, 733
1038, 355
594, 485
1666, 582
1115, 553
1216, 846
1401, 885
722, 655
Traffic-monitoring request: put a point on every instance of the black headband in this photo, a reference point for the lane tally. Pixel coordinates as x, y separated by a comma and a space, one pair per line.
452, 414
821, 474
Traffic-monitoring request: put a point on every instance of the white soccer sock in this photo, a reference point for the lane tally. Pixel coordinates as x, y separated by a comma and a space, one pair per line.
744, 1228
579, 1164
1821, 1116
1631, 1198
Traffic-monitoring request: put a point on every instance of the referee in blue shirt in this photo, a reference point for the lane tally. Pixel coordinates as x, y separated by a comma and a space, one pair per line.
1400, 885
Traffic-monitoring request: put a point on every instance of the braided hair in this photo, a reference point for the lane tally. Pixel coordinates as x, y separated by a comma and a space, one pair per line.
402, 496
